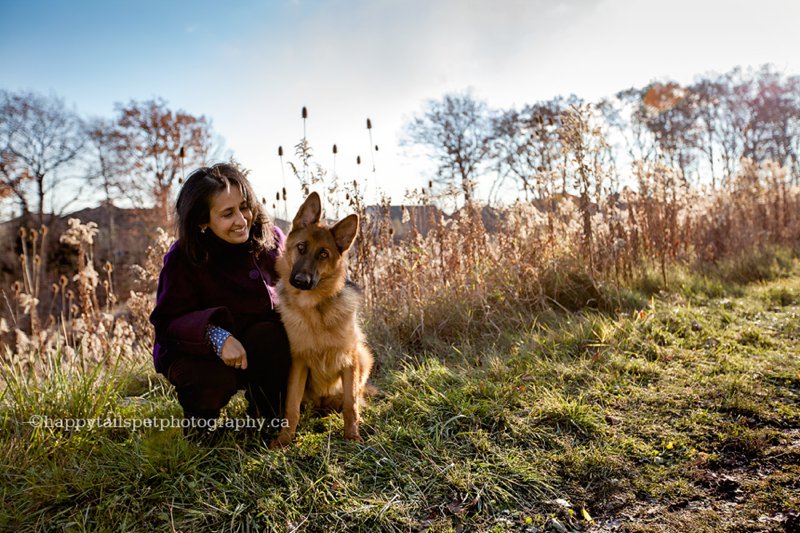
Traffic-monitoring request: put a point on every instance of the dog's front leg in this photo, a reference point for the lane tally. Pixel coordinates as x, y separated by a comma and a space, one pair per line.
350, 404
294, 396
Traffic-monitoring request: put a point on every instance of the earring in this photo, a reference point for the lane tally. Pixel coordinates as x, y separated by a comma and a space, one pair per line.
202, 230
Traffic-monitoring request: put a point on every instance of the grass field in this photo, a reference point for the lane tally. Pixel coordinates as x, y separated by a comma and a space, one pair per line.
681, 413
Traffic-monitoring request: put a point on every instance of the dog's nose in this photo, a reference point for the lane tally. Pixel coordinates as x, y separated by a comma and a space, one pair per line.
302, 281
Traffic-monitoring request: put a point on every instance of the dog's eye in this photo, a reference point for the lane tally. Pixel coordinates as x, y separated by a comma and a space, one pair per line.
324, 254
301, 247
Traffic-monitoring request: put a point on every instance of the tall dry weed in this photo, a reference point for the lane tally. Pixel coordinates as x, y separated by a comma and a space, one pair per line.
79, 330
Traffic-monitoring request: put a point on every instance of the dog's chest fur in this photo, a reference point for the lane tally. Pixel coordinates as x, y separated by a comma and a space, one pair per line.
320, 330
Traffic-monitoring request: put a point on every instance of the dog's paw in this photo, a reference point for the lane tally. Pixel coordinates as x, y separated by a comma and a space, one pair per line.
353, 436
281, 441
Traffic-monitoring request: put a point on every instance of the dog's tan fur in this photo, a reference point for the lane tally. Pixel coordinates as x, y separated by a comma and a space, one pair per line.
330, 361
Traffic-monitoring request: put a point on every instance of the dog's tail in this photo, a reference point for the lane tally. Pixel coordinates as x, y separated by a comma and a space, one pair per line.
370, 390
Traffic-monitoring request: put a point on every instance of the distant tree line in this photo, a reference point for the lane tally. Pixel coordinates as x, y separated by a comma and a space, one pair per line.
703, 131
135, 157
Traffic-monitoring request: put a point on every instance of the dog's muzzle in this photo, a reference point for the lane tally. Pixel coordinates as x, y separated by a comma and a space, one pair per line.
302, 281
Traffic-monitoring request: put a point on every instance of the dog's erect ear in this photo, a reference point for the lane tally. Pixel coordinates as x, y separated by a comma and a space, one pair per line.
308, 213
344, 232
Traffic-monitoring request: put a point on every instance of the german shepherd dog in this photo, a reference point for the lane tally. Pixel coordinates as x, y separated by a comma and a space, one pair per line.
330, 361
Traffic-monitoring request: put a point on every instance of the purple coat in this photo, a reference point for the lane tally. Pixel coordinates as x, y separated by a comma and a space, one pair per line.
235, 289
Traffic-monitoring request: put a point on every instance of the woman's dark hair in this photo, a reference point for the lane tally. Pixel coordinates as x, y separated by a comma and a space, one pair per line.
194, 206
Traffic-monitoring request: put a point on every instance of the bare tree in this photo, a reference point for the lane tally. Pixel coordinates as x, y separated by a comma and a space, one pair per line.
160, 142
38, 136
706, 96
526, 146
624, 114
512, 152
774, 107
669, 115
734, 118
456, 132
752, 115
13, 178
108, 169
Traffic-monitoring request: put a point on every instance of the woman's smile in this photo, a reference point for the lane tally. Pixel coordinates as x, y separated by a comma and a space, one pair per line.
230, 217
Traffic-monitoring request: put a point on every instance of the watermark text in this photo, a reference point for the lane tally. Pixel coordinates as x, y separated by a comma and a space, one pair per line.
160, 424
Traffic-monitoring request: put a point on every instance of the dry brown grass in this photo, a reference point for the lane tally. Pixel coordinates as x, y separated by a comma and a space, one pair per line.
450, 278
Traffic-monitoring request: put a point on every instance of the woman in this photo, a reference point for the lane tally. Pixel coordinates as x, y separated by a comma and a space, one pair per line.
217, 330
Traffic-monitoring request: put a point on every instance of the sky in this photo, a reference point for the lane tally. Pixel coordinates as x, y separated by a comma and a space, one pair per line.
251, 65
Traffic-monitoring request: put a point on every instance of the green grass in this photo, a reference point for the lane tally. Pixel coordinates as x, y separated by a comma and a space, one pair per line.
681, 414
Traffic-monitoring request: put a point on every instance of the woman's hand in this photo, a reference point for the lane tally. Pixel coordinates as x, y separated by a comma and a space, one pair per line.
233, 353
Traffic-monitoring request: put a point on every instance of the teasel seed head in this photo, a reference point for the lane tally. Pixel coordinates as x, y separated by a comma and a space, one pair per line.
280, 151
335, 150
305, 112
369, 124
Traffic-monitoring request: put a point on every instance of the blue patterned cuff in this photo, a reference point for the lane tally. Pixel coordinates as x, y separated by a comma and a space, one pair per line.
217, 337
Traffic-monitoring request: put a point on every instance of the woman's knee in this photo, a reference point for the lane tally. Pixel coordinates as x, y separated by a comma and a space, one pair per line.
203, 386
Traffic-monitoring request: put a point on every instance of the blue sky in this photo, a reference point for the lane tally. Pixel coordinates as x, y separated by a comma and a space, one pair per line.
251, 65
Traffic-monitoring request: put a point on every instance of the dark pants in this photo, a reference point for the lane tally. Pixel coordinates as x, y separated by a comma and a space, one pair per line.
205, 384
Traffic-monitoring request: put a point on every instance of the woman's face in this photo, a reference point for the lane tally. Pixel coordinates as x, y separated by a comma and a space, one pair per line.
230, 219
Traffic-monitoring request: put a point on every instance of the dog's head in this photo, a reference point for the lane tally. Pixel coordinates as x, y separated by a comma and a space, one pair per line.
315, 253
